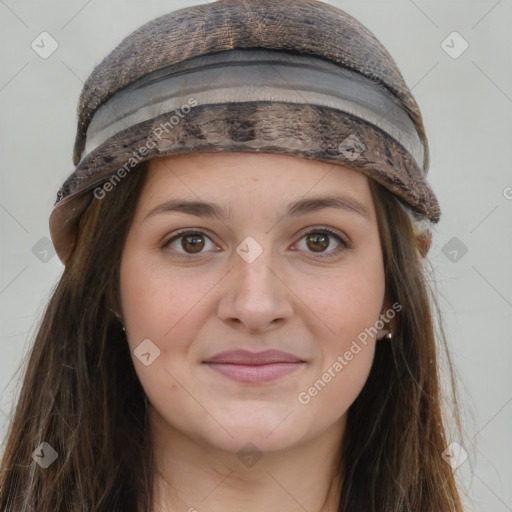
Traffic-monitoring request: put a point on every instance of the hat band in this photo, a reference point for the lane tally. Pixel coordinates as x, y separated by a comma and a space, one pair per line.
239, 76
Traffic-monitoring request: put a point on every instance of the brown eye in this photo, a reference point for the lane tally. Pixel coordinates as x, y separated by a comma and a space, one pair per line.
325, 242
188, 243
192, 243
317, 242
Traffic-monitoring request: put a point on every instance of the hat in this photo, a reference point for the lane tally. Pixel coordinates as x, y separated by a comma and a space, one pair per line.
295, 77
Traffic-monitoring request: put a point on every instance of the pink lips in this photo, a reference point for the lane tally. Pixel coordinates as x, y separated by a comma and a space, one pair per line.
245, 366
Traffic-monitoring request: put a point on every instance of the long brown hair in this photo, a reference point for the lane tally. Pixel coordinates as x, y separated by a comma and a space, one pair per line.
81, 395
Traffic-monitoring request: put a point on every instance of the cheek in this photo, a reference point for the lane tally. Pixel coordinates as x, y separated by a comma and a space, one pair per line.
349, 304
349, 300
345, 355
144, 300
338, 384
153, 308
166, 306
154, 299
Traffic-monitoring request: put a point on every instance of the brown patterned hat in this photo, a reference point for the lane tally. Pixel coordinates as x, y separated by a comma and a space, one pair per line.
296, 77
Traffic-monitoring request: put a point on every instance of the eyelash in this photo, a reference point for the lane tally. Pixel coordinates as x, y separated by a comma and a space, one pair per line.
344, 245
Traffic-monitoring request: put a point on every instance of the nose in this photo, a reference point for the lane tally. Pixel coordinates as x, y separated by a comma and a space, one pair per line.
255, 296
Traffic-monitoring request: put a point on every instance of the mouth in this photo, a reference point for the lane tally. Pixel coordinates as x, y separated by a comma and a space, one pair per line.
250, 367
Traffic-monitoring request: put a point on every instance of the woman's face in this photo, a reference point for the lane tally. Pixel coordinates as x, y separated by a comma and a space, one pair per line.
249, 283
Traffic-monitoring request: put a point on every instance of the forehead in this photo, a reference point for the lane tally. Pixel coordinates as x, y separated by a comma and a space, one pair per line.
214, 172
249, 185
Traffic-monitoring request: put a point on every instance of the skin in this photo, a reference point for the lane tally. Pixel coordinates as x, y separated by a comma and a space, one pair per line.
289, 298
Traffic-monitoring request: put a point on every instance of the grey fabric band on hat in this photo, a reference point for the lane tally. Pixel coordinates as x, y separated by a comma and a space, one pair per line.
239, 76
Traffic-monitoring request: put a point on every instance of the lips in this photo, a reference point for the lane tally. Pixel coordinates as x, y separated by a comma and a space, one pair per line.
251, 367
254, 358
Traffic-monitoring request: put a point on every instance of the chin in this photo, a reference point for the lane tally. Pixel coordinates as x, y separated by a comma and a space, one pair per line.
249, 439
268, 428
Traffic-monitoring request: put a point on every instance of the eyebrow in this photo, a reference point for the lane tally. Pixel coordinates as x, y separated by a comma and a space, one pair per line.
294, 209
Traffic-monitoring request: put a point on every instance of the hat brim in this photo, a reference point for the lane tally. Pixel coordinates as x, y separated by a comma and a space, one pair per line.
303, 131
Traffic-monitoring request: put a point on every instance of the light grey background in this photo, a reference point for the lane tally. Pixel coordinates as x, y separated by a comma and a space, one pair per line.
467, 107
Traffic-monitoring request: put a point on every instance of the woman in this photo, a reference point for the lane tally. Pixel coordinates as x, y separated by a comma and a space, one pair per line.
243, 320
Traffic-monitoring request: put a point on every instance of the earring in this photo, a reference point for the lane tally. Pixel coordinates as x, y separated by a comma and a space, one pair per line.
389, 335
